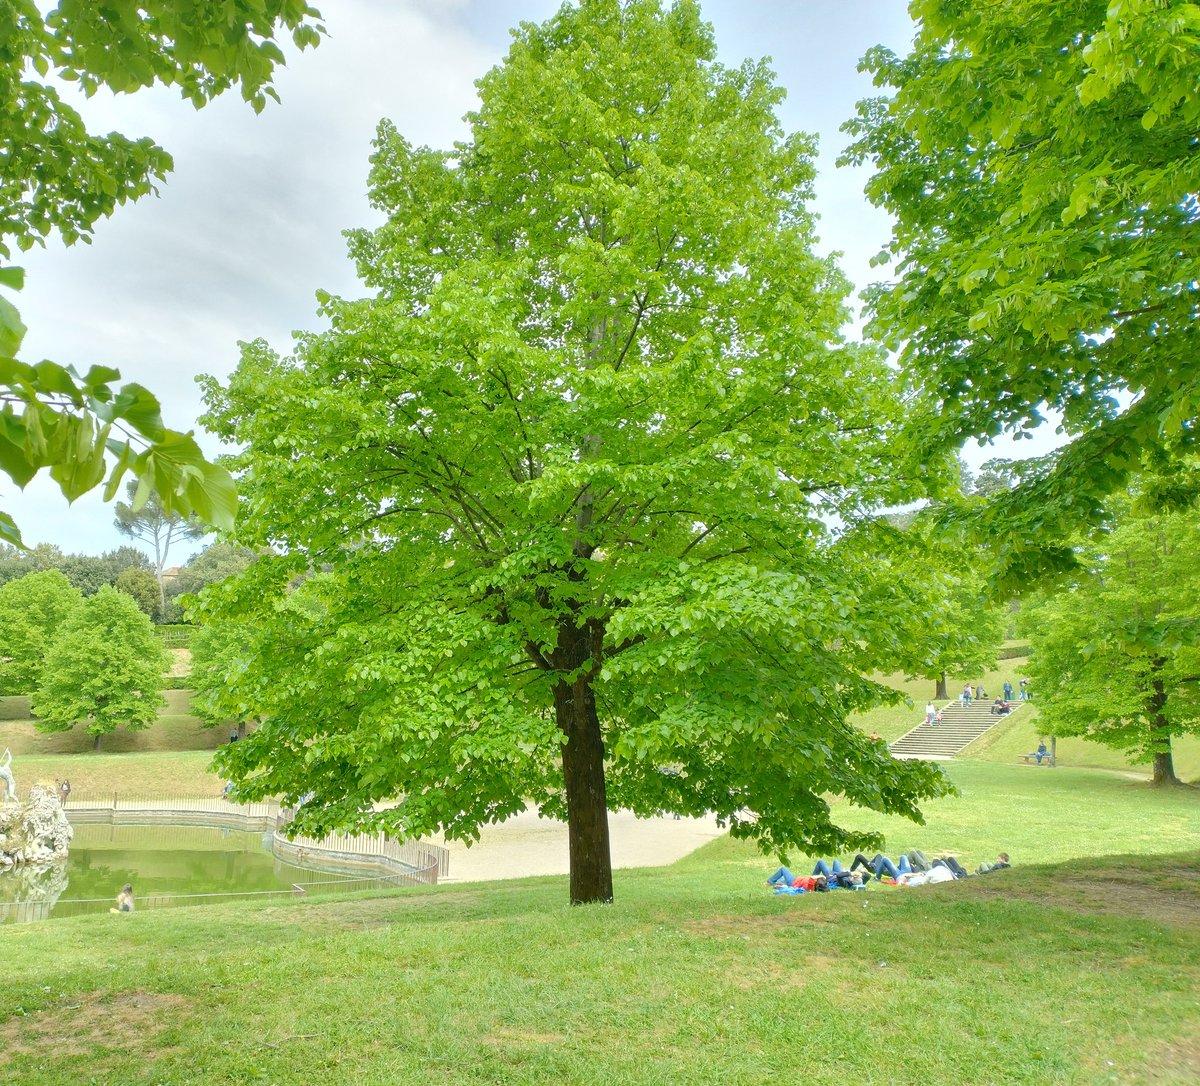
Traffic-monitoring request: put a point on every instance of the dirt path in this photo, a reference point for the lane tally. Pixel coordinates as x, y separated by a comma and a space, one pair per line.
528, 845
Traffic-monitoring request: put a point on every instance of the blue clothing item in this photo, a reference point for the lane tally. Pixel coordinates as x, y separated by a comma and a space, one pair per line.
825, 869
882, 863
782, 877
790, 890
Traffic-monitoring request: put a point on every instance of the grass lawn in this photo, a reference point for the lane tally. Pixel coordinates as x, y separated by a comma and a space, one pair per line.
180, 773
1076, 972
175, 729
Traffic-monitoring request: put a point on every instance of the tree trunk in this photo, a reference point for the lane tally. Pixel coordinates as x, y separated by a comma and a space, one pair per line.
96, 743
940, 692
1160, 730
587, 800
583, 772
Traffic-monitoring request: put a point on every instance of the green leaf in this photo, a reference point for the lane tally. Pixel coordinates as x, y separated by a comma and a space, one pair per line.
9, 532
12, 329
138, 407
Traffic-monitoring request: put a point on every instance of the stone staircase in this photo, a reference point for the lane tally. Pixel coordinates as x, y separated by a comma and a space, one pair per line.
959, 727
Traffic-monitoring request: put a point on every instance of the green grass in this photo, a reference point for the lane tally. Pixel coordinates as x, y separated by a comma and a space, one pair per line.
176, 729
181, 773
1014, 737
1076, 972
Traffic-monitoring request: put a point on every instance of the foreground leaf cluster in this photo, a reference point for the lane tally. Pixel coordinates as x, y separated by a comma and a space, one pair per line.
56, 177
1041, 164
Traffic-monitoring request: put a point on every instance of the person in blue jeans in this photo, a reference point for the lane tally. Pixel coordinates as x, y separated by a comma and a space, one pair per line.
881, 864
837, 876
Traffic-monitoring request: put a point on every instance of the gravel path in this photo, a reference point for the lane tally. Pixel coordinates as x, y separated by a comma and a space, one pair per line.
528, 845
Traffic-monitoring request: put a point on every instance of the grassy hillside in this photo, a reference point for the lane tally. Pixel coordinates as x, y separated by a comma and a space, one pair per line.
176, 729
1012, 738
1077, 972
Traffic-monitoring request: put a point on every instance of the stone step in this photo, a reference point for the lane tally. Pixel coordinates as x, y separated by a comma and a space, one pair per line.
960, 727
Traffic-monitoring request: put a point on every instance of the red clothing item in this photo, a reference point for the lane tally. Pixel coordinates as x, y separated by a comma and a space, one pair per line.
805, 882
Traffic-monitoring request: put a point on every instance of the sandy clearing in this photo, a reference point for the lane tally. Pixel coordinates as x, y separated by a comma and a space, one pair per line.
528, 845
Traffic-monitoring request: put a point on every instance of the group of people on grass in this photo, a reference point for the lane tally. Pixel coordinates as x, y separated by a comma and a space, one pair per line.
912, 868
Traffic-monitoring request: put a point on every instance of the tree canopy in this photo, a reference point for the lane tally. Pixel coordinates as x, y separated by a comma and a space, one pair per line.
57, 177
155, 523
1115, 654
561, 487
1041, 164
104, 670
33, 609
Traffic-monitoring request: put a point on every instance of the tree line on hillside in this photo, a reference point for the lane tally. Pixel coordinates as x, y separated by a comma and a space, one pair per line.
93, 660
130, 571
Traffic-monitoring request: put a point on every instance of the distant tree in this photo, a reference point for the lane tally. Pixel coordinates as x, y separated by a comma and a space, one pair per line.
950, 625
1114, 653
104, 670
141, 585
997, 476
1039, 163
32, 611
214, 564
157, 526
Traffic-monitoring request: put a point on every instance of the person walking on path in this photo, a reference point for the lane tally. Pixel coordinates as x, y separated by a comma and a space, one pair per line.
1008, 690
930, 709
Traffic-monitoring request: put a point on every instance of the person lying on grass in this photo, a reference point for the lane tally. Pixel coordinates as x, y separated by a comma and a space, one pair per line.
827, 875
1002, 861
784, 882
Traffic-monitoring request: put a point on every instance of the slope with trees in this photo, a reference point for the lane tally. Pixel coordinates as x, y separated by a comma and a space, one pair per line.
33, 609
565, 475
1041, 165
1116, 653
104, 670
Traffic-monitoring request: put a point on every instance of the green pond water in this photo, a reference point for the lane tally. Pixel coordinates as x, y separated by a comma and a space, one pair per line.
156, 860
173, 860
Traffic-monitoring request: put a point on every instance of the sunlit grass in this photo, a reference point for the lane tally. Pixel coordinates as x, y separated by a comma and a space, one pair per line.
1067, 969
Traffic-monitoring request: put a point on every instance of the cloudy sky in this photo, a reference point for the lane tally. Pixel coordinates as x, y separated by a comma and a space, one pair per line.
249, 225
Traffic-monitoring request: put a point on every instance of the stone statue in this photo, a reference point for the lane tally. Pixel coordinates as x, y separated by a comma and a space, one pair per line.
35, 832
6, 775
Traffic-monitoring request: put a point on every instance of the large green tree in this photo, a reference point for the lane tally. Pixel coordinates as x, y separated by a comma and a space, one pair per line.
1116, 652
1041, 164
104, 670
32, 610
57, 177
566, 475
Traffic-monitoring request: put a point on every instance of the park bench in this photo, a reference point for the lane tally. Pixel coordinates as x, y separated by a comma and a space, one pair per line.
1031, 759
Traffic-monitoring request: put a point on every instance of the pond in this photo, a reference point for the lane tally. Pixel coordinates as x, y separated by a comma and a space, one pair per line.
158, 860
